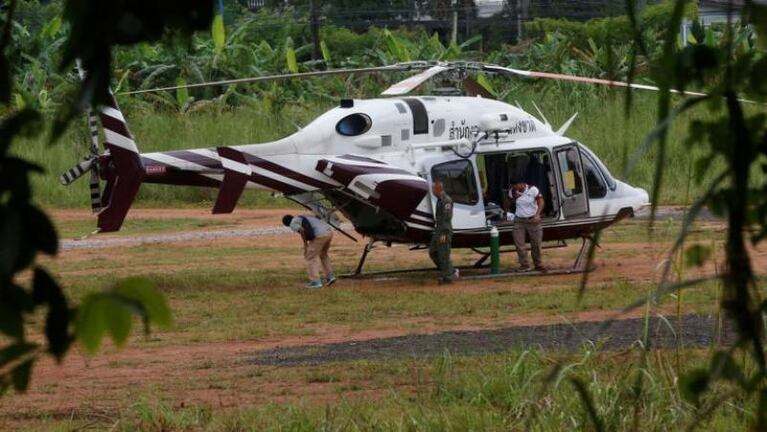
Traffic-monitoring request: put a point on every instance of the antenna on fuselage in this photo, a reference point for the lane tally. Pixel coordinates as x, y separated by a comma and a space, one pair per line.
566, 126
543, 117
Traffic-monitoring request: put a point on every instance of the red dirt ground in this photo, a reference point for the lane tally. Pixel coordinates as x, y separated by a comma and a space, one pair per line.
216, 374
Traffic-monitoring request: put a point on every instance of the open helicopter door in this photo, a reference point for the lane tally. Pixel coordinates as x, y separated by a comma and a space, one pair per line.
574, 200
462, 185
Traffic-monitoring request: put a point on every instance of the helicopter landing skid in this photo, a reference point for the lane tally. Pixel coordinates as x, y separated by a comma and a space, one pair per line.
483, 255
579, 266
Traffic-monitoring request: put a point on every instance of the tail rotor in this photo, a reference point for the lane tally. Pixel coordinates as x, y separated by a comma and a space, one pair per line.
90, 162
95, 184
119, 165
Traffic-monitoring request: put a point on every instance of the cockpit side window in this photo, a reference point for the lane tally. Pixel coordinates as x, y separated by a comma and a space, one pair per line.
354, 124
594, 182
611, 182
459, 180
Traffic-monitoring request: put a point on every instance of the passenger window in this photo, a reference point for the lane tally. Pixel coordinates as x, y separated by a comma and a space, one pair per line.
572, 184
353, 125
594, 182
459, 181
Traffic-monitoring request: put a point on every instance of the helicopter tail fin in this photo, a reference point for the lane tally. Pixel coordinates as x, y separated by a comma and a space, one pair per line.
124, 172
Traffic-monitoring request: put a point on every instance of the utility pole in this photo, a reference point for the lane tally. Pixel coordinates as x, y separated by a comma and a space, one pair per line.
467, 9
315, 29
454, 38
523, 6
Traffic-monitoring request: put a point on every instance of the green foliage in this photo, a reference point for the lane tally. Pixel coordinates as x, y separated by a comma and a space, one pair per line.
25, 231
217, 31
347, 45
729, 65
290, 56
606, 31
110, 312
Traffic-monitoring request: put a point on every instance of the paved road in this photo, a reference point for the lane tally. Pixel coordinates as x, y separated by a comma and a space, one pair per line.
690, 331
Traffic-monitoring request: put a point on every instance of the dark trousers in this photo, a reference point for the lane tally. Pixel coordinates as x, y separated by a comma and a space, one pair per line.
439, 252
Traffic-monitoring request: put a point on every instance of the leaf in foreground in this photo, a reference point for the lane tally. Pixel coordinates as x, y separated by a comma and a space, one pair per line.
111, 312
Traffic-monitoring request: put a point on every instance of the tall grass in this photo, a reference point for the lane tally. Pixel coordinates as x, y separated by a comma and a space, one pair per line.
601, 125
513, 391
161, 131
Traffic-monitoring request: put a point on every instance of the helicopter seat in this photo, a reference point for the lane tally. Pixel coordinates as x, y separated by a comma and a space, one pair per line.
537, 173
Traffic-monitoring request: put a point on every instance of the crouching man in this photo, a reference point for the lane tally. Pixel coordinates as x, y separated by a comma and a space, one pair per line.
316, 235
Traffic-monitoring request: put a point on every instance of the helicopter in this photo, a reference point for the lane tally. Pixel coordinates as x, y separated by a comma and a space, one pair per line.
373, 160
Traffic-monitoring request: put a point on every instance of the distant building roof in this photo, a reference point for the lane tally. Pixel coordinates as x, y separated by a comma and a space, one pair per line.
717, 11
488, 8
722, 3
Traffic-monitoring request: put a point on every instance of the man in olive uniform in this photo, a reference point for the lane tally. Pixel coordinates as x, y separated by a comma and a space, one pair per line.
439, 248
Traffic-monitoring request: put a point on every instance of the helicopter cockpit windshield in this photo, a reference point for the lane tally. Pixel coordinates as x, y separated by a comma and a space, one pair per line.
596, 168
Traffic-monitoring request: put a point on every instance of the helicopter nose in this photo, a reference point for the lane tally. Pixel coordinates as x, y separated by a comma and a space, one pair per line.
644, 197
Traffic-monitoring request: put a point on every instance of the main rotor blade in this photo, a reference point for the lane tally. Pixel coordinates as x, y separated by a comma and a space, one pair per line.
392, 68
581, 79
407, 85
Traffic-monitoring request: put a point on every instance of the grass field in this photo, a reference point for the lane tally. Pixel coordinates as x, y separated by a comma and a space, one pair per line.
489, 393
601, 125
236, 296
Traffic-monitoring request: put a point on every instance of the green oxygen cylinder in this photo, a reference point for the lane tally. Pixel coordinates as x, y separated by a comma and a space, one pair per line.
495, 252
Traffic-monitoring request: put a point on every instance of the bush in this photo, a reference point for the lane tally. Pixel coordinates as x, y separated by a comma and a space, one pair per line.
604, 31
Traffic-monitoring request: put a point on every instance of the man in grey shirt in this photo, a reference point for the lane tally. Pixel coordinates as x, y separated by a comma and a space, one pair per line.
316, 235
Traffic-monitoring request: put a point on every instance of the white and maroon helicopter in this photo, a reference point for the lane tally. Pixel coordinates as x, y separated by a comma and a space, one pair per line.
373, 161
